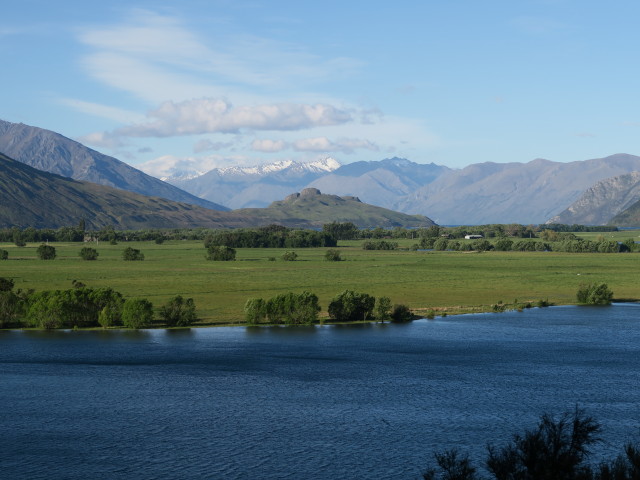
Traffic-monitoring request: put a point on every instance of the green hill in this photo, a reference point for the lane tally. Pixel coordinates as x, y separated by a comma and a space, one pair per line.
33, 198
312, 208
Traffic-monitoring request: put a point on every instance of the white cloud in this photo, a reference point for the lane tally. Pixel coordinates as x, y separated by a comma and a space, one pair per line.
101, 139
208, 115
268, 146
168, 165
207, 145
323, 144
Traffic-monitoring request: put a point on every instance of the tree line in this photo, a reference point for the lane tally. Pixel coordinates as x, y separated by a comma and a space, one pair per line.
302, 309
85, 307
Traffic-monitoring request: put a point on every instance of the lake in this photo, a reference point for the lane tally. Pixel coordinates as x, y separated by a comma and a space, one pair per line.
326, 402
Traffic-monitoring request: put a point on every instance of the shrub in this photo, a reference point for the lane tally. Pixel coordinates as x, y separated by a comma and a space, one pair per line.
11, 307
159, 240
594, 294
332, 255
379, 245
220, 253
137, 313
6, 284
401, 313
255, 310
441, 244
179, 312
289, 256
350, 305
46, 252
4, 255
132, 254
293, 308
503, 245
88, 253
383, 309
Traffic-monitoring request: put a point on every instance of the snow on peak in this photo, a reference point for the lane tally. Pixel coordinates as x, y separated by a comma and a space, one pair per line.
327, 164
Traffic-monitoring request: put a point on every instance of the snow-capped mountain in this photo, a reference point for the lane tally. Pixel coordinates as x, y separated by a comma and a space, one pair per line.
259, 185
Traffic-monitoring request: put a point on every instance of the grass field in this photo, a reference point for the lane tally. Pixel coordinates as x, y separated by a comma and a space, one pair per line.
443, 281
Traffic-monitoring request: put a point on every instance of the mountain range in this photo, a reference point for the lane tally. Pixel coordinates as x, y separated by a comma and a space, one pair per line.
34, 198
586, 192
529, 193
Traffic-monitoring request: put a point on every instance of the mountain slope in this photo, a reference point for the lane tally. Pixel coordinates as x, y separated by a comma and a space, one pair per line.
603, 201
32, 198
630, 217
512, 192
54, 153
311, 207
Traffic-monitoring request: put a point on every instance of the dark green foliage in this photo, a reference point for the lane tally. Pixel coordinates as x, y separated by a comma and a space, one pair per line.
350, 306
503, 245
383, 309
179, 312
132, 254
293, 308
594, 294
4, 255
255, 311
11, 307
441, 244
159, 240
341, 231
137, 313
555, 449
46, 252
332, 255
289, 256
88, 253
74, 308
453, 466
6, 284
482, 245
401, 313
379, 245
272, 236
220, 253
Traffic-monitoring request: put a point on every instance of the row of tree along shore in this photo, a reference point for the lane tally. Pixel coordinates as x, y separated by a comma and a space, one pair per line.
336, 230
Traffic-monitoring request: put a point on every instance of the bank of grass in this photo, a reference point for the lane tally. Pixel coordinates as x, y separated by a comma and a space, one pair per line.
443, 282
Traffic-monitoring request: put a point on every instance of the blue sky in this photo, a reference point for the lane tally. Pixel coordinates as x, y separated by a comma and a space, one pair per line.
206, 83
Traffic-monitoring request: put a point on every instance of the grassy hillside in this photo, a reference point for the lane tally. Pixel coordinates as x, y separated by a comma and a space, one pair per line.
315, 209
446, 281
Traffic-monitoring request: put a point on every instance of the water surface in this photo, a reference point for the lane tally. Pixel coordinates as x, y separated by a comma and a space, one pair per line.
365, 401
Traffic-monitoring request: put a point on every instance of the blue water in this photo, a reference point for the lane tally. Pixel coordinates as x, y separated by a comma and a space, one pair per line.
367, 401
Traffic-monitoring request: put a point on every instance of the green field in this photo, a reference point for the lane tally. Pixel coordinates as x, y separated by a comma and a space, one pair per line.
444, 281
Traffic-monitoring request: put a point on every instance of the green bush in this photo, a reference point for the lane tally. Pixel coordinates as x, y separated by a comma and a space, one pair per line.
350, 306
132, 254
594, 294
255, 310
293, 308
379, 245
332, 255
401, 313
46, 252
88, 253
289, 256
6, 284
137, 313
179, 312
4, 255
11, 307
383, 309
220, 253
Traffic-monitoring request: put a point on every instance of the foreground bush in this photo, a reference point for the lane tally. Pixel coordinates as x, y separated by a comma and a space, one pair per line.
4, 254
594, 294
332, 255
293, 308
556, 449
